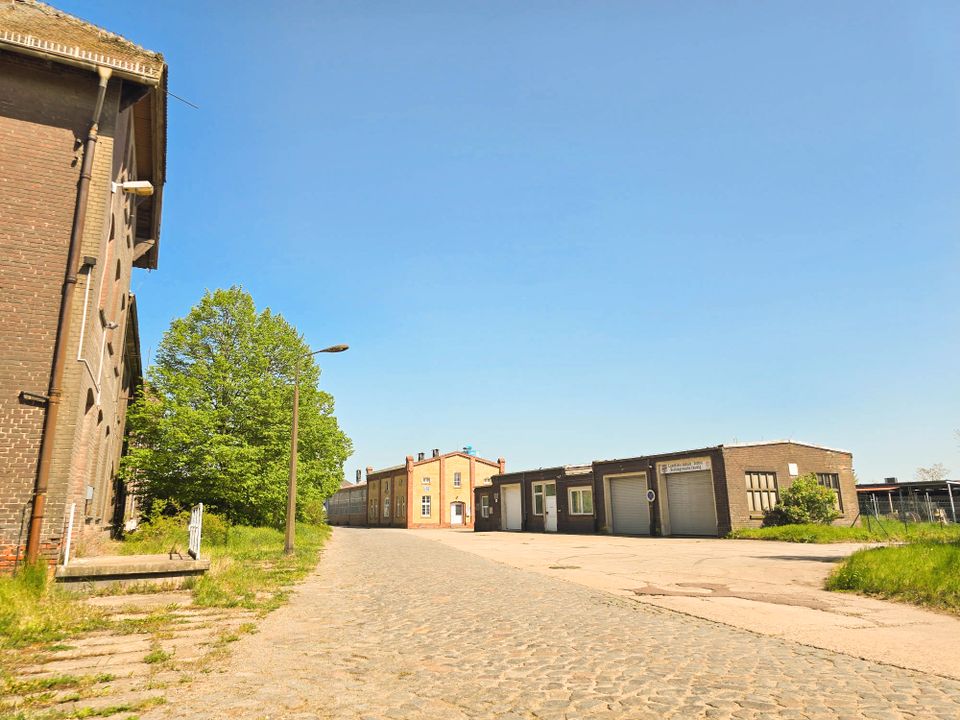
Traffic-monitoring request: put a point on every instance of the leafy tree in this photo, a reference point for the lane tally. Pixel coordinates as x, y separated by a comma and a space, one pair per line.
213, 423
805, 501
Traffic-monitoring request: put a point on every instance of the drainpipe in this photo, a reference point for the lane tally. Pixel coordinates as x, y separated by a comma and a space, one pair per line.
55, 389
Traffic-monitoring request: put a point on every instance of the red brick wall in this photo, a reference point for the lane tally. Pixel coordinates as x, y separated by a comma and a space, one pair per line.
44, 116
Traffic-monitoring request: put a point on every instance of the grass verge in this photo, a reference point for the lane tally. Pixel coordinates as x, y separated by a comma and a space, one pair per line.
248, 567
924, 573
34, 610
876, 531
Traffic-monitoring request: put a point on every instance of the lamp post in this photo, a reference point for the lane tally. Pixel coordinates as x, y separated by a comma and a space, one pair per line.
292, 487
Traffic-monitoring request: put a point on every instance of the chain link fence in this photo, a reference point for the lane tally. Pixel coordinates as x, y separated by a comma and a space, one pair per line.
911, 507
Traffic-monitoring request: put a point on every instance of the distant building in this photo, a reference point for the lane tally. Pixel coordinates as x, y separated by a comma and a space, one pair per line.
82, 147
426, 492
702, 492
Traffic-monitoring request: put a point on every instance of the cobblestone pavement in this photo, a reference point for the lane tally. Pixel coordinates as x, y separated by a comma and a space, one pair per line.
394, 626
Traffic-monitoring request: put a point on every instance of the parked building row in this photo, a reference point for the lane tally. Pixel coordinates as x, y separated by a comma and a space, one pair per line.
701, 492
422, 492
82, 164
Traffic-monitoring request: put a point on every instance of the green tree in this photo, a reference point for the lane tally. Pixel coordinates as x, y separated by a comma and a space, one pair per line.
213, 422
805, 501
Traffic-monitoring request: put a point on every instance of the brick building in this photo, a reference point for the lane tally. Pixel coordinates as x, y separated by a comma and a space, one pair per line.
703, 492
82, 161
435, 491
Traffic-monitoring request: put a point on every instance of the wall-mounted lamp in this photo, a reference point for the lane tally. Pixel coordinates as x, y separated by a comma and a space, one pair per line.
134, 187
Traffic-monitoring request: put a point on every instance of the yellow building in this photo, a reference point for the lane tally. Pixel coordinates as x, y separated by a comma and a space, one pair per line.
426, 492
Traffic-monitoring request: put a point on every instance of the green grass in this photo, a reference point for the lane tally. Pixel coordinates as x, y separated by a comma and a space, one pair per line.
250, 569
875, 531
924, 573
33, 609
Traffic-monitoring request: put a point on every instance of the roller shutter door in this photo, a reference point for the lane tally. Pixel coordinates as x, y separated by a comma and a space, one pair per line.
629, 506
690, 499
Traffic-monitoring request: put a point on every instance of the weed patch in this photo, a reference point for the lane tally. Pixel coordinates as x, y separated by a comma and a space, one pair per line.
925, 573
876, 531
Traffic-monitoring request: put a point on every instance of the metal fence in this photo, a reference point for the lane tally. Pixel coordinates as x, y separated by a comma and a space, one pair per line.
911, 507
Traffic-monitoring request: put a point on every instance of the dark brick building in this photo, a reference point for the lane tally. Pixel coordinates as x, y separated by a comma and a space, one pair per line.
72, 96
702, 492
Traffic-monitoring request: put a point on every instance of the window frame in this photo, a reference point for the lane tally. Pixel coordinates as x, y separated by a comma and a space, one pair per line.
457, 480
823, 479
758, 493
485, 506
426, 503
537, 489
579, 491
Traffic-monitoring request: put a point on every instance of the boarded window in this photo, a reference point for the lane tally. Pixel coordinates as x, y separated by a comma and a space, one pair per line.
761, 491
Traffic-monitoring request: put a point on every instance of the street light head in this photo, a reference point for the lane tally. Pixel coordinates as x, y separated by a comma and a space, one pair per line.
335, 348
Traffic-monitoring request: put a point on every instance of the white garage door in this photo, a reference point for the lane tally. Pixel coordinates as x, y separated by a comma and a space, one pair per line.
512, 511
629, 506
690, 499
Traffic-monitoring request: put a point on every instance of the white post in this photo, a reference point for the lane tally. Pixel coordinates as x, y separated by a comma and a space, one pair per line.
953, 508
66, 553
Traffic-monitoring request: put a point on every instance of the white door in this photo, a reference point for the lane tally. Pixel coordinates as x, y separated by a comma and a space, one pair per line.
629, 507
550, 508
690, 502
456, 513
512, 511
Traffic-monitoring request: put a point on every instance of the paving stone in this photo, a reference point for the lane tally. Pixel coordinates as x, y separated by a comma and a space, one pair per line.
396, 626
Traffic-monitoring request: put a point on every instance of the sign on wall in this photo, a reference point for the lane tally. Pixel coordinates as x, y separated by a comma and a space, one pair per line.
683, 466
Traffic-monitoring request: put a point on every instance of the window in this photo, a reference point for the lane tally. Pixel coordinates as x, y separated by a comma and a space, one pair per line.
386, 507
581, 501
426, 481
832, 481
373, 507
761, 491
401, 507
425, 506
541, 490
456, 479
484, 506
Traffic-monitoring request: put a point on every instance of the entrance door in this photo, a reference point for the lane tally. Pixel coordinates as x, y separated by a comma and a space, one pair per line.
550, 508
512, 510
690, 502
456, 513
629, 507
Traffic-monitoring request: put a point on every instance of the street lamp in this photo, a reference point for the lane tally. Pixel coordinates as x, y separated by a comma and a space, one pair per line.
292, 487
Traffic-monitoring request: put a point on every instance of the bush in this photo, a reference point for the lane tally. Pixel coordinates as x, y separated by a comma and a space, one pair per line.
805, 501
312, 511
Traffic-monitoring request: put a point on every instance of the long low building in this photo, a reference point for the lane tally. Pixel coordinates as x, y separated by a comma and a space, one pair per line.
702, 492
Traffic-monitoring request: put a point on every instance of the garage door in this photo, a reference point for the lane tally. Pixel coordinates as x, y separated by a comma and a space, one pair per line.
690, 499
512, 511
629, 507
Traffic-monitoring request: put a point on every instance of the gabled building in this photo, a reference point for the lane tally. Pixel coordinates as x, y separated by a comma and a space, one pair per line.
426, 492
82, 167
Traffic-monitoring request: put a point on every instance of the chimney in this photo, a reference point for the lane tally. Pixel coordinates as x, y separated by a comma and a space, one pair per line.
369, 470
503, 465
890, 481
359, 475
419, 457
436, 452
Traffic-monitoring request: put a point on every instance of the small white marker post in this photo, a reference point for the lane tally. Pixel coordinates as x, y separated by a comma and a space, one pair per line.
66, 553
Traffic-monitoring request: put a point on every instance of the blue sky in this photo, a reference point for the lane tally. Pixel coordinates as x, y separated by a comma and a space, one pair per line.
565, 231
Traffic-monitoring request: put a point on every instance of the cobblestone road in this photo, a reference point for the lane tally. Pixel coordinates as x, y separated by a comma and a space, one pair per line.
394, 626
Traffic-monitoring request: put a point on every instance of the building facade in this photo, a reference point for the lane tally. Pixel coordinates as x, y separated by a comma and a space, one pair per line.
82, 162
426, 492
702, 492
